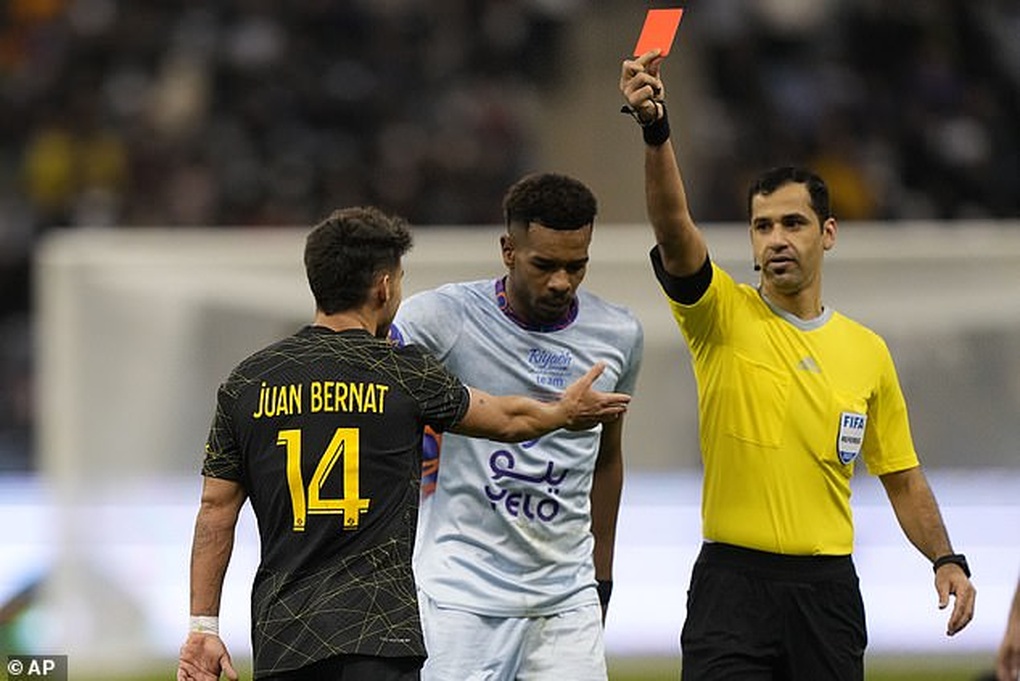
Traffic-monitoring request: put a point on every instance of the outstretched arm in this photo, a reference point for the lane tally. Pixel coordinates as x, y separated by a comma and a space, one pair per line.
204, 655
512, 418
919, 516
681, 245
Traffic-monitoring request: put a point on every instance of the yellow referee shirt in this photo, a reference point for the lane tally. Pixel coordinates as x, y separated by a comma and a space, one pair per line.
786, 406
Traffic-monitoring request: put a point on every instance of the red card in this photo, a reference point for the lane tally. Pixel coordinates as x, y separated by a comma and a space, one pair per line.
659, 30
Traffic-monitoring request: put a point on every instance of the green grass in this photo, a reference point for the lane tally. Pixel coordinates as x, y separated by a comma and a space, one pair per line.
929, 668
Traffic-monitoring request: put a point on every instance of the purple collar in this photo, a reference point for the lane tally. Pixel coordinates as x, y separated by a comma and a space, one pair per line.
504, 305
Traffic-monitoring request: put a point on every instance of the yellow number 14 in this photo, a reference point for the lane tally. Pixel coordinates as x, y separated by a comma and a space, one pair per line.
350, 506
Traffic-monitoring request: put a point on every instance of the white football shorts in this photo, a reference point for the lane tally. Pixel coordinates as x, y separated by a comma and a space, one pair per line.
556, 647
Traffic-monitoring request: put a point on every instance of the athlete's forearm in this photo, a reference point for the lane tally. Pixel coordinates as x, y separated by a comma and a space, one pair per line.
514, 418
606, 490
918, 512
210, 555
508, 418
681, 244
213, 543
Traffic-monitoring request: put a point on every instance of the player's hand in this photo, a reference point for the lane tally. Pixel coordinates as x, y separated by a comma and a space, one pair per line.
204, 657
641, 85
585, 408
950, 580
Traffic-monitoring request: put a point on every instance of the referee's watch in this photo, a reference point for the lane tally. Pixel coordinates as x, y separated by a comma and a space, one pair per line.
955, 558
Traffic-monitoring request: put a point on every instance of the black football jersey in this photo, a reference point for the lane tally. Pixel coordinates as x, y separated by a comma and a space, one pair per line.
324, 431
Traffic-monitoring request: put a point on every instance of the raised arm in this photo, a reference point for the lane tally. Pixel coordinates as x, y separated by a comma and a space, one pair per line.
513, 418
681, 244
918, 514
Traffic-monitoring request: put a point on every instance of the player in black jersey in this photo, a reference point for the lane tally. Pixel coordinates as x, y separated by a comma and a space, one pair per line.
322, 432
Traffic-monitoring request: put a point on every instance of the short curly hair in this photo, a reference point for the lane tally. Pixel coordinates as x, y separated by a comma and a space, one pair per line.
550, 199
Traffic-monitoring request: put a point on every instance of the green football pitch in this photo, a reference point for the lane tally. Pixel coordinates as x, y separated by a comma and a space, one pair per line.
931, 668
962, 668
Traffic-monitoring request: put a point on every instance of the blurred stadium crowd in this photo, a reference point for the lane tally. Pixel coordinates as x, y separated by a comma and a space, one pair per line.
258, 112
250, 112
909, 109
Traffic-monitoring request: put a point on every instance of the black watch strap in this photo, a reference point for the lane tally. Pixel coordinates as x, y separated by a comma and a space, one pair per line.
955, 558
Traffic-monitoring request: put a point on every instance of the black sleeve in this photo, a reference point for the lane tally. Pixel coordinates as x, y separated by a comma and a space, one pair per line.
684, 290
444, 398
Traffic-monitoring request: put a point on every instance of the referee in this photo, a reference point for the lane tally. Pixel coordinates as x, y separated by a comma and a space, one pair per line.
791, 395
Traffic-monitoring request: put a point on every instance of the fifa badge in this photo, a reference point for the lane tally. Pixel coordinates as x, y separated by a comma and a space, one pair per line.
851, 435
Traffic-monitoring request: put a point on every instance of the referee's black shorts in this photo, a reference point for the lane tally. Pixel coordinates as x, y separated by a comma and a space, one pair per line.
753, 615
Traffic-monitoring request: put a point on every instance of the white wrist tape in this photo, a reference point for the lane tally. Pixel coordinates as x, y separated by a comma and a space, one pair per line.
205, 624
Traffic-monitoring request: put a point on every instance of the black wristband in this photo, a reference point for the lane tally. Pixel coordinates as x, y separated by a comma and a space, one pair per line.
605, 589
657, 132
955, 558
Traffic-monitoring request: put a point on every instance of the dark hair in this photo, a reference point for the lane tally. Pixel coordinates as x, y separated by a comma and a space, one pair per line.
774, 178
345, 252
552, 200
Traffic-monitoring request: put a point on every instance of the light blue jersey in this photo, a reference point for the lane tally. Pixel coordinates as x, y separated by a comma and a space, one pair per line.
506, 531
